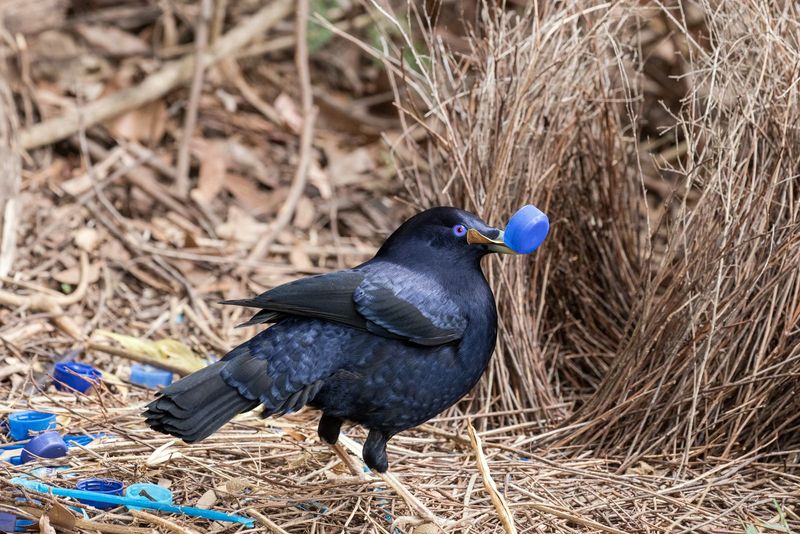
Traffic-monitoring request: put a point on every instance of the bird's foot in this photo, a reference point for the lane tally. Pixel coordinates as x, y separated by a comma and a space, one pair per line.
375, 451
328, 429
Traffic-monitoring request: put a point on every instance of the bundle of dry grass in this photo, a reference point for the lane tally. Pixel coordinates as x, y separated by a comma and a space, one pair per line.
675, 325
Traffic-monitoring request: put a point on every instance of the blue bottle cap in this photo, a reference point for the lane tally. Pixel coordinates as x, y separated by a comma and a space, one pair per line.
149, 376
107, 486
74, 376
22, 425
526, 229
148, 492
47, 445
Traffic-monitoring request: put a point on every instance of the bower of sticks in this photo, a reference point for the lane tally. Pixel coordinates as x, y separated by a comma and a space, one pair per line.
157, 157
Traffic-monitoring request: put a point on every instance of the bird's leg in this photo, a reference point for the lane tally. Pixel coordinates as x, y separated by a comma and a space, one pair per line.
328, 431
328, 428
375, 451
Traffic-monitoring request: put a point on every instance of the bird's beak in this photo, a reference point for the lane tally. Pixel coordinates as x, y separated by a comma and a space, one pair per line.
474, 237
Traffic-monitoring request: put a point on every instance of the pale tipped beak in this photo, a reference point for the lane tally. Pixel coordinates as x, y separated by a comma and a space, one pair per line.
474, 237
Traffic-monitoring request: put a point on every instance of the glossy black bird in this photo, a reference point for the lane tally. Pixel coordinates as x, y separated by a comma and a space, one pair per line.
388, 344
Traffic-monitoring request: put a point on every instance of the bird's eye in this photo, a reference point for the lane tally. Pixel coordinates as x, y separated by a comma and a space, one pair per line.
459, 230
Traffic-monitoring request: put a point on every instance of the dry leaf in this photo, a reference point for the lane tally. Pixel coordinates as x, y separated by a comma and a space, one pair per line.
249, 195
213, 158
60, 516
111, 40
240, 226
87, 239
133, 344
162, 454
236, 486
287, 109
207, 500
44, 525
164, 349
300, 259
73, 274
248, 161
146, 123
320, 180
304, 214
351, 168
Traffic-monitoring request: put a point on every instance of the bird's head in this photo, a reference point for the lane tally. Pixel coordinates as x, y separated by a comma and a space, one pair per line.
444, 235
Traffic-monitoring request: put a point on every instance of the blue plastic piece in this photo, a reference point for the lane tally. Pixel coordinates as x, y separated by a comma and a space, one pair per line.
526, 229
151, 492
8, 522
141, 502
47, 445
71, 440
22, 425
149, 376
100, 486
74, 376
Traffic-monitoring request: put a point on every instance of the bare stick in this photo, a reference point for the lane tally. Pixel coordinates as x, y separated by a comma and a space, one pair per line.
52, 304
499, 502
156, 85
10, 177
267, 522
200, 43
164, 523
393, 482
306, 138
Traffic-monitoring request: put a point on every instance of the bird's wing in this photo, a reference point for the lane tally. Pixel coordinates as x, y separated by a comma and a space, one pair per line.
410, 305
326, 296
389, 301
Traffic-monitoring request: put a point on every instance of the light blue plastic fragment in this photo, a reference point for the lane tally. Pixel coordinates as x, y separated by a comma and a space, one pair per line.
140, 502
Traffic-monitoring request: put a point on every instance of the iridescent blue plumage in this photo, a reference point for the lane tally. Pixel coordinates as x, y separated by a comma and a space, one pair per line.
388, 344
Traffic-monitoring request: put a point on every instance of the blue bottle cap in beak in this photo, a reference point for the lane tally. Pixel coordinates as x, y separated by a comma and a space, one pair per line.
526, 229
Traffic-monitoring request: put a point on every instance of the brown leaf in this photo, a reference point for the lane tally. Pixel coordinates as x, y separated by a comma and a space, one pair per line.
86, 239
351, 168
241, 226
60, 516
73, 274
111, 40
255, 200
237, 486
304, 214
44, 525
207, 500
300, 259
287, 109
213, 156
146, 124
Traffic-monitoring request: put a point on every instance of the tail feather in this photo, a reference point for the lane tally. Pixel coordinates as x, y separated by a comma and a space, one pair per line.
196, 406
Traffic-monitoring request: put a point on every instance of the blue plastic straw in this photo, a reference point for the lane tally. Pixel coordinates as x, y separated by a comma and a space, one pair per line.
139, 502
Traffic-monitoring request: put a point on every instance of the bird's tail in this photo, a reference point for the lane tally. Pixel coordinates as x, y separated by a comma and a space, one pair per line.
197, 406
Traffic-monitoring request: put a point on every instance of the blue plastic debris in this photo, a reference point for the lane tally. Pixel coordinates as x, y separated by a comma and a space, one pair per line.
104, 486
140, 502
74, 376
8, 522
47, 445
526, 229
72, 440
149, 376
151, 492
21, 425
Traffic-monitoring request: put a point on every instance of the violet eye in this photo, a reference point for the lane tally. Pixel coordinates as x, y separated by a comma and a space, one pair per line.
459, 230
